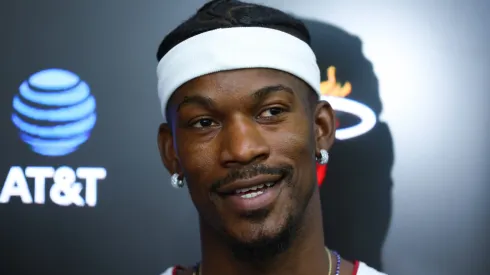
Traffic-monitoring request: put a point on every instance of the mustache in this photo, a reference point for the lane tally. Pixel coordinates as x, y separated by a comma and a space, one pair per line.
251, 171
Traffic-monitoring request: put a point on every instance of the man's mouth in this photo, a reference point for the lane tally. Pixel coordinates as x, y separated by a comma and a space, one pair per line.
252, 194
250, 187
255, 191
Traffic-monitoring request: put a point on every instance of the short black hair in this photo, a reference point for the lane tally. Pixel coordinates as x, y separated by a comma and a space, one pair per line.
218, 14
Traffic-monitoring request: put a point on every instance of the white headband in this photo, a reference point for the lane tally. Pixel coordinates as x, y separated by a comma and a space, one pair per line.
231, 49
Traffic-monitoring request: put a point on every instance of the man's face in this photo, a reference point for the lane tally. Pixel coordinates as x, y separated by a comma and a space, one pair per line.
245, 141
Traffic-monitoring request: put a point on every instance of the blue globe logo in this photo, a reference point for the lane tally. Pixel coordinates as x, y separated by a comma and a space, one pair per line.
54, 112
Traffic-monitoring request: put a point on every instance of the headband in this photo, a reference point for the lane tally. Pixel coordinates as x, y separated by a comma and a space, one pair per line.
235, 48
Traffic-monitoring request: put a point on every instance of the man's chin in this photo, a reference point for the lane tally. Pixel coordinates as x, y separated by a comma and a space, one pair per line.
259, 243
255, 228
253, 238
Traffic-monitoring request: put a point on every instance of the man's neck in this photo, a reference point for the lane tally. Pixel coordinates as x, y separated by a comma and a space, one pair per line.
306, 255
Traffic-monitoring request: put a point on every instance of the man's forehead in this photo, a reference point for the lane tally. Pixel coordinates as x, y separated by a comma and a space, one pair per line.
242, 81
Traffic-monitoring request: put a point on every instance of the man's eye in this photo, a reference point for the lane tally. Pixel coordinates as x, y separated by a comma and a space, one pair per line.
274, 111
203, 123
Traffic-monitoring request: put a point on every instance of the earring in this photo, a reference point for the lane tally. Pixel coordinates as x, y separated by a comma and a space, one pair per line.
176, 182
323, 159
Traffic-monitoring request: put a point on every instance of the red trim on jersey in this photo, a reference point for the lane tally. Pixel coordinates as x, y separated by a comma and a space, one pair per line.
321, 171
176, 269
356, 267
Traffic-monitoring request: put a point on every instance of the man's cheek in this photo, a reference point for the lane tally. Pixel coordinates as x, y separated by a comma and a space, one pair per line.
292, 145
198, 160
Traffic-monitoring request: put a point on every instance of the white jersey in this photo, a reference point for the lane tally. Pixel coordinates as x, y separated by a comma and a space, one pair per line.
359, 269
363, 269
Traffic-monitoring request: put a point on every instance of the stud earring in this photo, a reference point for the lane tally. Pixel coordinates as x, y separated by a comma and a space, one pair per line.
176, 182
323, 159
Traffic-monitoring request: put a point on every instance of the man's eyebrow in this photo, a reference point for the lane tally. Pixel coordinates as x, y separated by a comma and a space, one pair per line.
263, 92
258, 96
196, 99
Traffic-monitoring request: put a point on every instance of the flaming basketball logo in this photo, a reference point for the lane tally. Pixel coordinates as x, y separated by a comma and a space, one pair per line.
336, 94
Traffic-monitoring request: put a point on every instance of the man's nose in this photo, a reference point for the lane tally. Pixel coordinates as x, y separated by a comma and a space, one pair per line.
243, 143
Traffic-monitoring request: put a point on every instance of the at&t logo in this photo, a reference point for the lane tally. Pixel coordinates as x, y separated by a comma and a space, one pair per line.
64, 189
55, 114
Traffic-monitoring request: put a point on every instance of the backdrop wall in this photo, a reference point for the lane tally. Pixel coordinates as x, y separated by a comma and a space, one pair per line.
408, 195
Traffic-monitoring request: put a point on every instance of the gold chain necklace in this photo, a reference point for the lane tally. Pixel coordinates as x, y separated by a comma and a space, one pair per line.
329, 256
329, 261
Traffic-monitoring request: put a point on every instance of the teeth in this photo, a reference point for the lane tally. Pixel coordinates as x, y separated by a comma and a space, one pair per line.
249, 189
255, 188
252, 195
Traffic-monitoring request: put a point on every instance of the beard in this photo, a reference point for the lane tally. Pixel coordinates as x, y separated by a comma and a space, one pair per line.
265, 247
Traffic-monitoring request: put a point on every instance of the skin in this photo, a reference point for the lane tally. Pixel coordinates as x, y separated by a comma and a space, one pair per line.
230, 122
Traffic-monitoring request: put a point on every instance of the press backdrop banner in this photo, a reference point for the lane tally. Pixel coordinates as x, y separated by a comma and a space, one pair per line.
83, 190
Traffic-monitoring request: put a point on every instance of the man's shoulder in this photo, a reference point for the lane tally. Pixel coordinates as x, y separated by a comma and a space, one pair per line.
169, 271
360, 269
363, 269
174, 270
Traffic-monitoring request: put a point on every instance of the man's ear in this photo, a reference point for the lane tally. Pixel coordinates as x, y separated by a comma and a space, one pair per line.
324, 118
167, 149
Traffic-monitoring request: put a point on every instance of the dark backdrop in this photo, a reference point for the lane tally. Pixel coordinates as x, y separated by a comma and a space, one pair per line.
409, 196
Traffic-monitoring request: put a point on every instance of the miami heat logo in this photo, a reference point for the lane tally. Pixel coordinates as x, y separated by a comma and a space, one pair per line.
353, 118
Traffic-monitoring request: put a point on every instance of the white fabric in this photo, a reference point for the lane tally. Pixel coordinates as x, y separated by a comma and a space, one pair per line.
366, 270
169, 271
363, 270
235, 48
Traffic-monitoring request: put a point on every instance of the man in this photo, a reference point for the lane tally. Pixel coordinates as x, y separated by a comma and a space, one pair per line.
238, 85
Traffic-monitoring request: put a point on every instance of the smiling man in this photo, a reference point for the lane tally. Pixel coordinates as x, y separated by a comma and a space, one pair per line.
244, 128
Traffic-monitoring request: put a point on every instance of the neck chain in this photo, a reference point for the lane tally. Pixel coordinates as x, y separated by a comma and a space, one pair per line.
329, 256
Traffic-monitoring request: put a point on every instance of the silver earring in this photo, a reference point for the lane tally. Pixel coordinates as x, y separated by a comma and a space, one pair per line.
323, 159
176, 182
